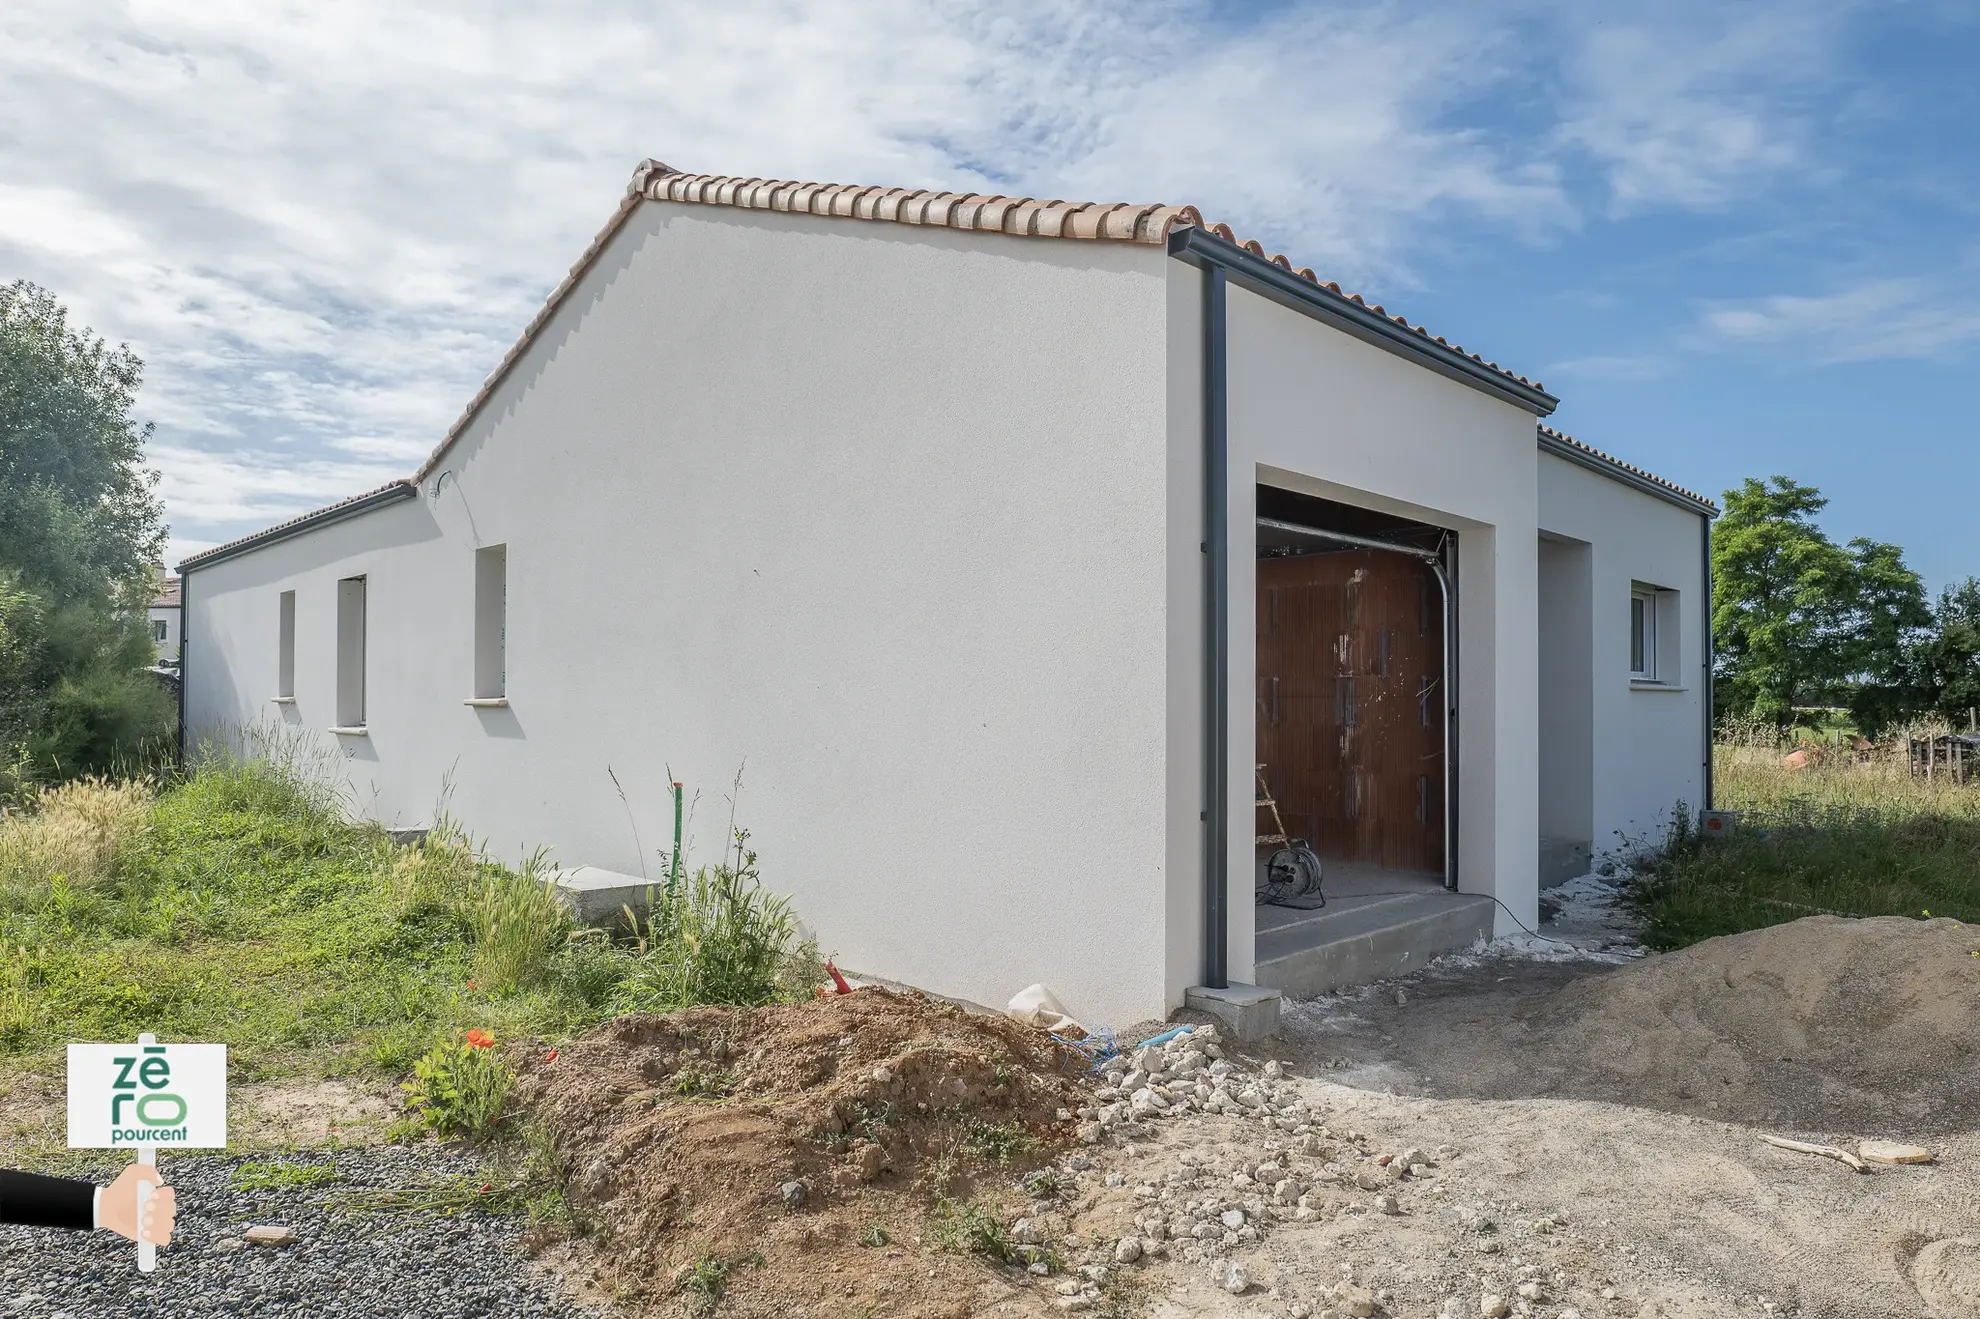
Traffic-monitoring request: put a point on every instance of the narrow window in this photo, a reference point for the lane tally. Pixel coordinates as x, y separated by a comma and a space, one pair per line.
350, 653
1643, 636
285, 648
491, 622
157, 629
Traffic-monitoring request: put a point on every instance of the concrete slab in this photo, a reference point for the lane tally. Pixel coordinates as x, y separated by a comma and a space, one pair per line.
600, 897
1356, 942
1251, 1011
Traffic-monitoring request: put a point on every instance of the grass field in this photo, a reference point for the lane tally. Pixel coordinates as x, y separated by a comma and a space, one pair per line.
241, 905
1861, 839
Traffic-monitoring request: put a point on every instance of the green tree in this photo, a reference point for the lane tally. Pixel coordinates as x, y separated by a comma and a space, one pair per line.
78, 517
1798, 620
1947, 661
79, 531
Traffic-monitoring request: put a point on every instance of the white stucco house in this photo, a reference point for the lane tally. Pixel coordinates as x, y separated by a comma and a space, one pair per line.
999, 543
162, 618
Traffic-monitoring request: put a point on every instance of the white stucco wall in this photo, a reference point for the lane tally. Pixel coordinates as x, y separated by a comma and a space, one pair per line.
1649, 740
876, 515
1315, 410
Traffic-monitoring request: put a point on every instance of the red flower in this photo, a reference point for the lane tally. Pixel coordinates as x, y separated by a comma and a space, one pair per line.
479, 1039
470, 984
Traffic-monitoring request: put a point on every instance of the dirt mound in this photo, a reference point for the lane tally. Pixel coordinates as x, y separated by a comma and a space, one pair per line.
685, 1134
1826, 1024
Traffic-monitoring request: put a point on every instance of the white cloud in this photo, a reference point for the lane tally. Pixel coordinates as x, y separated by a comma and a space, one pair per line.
1616, 366
1698, 105
1932, 319
321, 225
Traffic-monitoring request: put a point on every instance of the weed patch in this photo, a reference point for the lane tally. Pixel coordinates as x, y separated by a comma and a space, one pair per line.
702, 1283
282, 1176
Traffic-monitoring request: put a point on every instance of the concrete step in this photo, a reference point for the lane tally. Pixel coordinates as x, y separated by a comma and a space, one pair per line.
1358, 944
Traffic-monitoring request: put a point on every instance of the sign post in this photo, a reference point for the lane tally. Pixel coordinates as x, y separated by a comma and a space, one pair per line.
147, 1096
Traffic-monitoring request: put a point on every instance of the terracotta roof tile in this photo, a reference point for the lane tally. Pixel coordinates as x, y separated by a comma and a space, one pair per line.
1613, 461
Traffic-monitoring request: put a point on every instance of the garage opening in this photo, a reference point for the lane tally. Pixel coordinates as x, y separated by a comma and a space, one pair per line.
1354, 702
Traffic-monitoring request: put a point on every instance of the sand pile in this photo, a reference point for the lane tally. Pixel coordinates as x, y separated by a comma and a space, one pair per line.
1824, 1024
794, 1131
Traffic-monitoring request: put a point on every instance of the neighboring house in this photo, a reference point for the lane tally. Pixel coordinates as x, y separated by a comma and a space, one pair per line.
995, 541
163, 616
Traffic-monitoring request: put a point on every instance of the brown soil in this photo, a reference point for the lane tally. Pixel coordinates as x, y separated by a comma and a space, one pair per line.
1851, 1027
870, 1099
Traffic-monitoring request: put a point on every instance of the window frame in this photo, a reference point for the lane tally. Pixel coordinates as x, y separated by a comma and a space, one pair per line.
1643, 601
491, 625
353, 606
285, 646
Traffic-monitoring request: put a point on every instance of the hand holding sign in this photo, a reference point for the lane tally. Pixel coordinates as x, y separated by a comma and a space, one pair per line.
144, 1096
117, 1211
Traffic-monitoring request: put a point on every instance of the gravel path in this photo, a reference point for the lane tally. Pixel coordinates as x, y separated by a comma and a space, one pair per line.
344, 1266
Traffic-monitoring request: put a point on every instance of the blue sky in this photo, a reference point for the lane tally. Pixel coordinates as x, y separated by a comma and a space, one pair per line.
1735, 238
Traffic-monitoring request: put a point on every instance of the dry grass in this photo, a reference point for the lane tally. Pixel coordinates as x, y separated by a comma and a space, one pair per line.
78, 832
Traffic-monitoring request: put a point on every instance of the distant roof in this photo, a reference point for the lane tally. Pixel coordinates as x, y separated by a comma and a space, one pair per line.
1566, 446
166, 594
1024, 217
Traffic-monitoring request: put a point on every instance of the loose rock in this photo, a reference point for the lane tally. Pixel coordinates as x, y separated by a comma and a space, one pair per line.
1891, 1152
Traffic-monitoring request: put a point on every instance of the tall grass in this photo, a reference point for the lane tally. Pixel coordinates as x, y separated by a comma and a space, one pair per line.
1849, 833
720, 937
519, 925
79, 832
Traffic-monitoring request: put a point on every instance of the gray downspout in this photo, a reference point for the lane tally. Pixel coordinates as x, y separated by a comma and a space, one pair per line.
1216, 637
1705, 640
185, 652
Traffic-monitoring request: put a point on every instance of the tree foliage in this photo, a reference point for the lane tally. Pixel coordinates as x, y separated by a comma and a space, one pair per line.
1799, 620
79, 531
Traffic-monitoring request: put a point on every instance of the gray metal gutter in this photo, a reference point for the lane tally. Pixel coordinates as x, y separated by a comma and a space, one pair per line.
1200, 247
1615, 471
322, 517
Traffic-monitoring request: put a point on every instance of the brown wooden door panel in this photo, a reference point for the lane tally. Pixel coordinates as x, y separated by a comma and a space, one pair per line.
1352, 741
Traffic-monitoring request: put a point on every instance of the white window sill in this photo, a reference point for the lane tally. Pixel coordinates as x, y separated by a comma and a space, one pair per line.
283, 700
1643, 685
487, 702
352, 730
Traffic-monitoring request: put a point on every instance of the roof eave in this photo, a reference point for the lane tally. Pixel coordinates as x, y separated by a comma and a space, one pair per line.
1603, 465
1269, 279
322, 517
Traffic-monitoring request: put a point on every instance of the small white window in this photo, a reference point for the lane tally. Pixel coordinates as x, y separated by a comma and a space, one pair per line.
157, 629
285, 647
1643, 635
491, 622
1654, 626
350, 653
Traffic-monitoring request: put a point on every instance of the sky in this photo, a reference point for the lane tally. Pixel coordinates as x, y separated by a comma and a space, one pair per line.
1737, 238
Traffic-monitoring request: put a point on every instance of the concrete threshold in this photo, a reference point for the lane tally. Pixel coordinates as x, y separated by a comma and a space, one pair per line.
1335, 948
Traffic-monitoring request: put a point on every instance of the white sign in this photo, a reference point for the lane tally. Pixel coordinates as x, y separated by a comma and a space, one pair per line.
127, 1096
